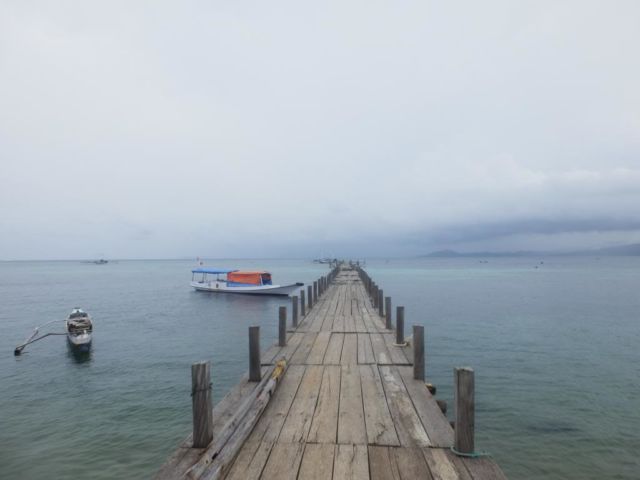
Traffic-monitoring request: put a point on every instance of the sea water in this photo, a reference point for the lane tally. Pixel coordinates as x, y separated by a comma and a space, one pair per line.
554, 343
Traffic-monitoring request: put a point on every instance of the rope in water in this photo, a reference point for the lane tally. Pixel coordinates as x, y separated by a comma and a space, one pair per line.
470, 455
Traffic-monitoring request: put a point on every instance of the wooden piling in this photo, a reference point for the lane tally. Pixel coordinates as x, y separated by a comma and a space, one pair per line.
418, 352
201, 403
254, 354
387, 312
302, 304
282, 327
310, 294
465, 409
294, 311
374, 296
381, 302
399, 325
315, 292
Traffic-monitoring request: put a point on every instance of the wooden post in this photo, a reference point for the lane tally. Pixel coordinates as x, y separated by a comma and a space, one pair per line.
418, 352
302, 303
315, 292
282, 327
310, 299
399, 325
375, 296
255, 374
387, 312
294, 311
465, 409
201, 403
381, 302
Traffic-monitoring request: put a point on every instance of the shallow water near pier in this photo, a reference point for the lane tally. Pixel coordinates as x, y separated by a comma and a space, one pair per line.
553, 341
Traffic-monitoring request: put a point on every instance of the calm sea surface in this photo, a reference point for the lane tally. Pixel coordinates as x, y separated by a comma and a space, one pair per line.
555, 350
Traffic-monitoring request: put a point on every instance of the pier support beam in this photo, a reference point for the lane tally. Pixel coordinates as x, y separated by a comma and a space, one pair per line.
302, 303
315, 292
418, 352
399, 325
282, 327
387, 312
465, 409
201, 402
294, 311
381, 302
255, 375
310, 294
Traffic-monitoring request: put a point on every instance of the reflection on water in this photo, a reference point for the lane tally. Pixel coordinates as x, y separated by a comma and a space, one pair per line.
78, 355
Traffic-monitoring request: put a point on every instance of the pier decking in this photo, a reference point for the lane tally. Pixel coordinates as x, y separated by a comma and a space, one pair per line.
347, 407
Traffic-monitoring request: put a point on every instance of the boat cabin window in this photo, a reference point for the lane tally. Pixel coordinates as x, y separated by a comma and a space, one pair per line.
266, 279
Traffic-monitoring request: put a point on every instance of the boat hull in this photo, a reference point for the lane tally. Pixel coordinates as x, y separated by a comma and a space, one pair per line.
82, 342
221, 287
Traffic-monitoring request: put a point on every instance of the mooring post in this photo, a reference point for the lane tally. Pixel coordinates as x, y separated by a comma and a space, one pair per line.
399, 325
282, 327
374, 296
255, 375
315, 292
321, 286
381, 302
201, 403
418, 352
465, 409
387, 312
310, 294
302, 303
294, 311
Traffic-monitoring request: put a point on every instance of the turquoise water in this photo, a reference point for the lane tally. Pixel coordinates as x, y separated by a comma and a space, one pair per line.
554, 349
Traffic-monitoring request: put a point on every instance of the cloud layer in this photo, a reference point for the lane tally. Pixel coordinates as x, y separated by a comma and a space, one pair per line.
168, 129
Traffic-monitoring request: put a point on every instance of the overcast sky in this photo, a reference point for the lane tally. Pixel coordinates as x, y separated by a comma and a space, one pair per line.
352, 128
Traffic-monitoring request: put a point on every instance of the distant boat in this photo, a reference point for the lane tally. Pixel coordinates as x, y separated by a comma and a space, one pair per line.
236, 281
79, 329
102, 261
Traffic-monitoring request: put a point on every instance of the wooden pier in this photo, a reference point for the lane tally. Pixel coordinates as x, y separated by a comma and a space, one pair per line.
342, 395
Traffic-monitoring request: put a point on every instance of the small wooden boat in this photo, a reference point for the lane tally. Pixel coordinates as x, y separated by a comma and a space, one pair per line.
236, 281
79, 329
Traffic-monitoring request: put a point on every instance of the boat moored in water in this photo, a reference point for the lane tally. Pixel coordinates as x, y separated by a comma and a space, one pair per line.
79, 329
236, 281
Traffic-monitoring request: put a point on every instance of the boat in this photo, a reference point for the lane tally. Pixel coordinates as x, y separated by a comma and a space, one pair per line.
79, 329
237, 281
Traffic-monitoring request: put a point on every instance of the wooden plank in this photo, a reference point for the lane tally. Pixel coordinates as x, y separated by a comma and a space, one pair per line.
351, 462
270, 424
292, 345
316, 355
334, 350
408, 425
317, 462
435, 423
298, 421
284, 461
351, 426
365, 352
380, 428
349, 349
411, 463
302, 352
443, 465
382, 464
397, 354
250, 462
324, 424
380, 352
483, 468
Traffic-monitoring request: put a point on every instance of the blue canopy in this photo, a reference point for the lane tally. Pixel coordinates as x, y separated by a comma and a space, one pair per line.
211, 270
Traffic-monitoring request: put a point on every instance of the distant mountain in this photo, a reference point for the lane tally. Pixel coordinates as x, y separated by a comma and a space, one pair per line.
624, 250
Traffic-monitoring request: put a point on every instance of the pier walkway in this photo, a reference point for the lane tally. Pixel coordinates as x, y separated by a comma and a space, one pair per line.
348, 406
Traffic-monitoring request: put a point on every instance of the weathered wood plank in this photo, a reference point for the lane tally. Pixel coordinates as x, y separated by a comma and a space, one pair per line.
411, 463
443, 465
382, 464
250, 461
380, 351
380, 428
349, 349
302, 352
365, 351
324, 425
351, 462
284, 461
435, 423
334, 350
483, 468
351, 426
397, 354
298, 421
317, 462
316, 355
408, 425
